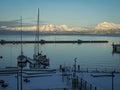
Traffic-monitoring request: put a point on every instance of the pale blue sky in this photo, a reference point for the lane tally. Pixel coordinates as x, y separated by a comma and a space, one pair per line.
82, 13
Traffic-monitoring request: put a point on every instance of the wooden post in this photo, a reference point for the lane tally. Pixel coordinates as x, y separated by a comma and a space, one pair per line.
90, 86
78, 68
65, 89
60, 67
17, 81
1, 57
85, 85
87, 69
75, 66
95, 88
81, 84
112, 80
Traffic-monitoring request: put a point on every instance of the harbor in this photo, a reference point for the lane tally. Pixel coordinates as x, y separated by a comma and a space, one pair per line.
64, 47
90, 75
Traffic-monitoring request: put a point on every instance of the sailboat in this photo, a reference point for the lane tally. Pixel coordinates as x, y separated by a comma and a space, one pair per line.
22, 59
40, 60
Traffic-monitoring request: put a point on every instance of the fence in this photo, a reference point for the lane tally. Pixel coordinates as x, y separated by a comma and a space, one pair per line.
80, 84
53, 89
100, 70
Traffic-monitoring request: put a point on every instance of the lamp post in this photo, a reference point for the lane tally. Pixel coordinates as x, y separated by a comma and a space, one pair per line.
75, 78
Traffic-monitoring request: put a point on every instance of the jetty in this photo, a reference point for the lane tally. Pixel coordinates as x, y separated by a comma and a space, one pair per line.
53, 41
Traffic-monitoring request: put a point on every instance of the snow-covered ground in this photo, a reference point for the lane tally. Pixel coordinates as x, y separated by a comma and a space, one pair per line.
54, 80
103, 81
37, 81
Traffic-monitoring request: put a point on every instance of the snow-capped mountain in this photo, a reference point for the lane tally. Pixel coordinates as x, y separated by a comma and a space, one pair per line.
102, 28
107, 26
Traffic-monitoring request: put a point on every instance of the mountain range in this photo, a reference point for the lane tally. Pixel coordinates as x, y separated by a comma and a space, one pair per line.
102, 28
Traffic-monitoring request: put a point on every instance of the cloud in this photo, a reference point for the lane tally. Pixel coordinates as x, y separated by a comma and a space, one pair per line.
12, 23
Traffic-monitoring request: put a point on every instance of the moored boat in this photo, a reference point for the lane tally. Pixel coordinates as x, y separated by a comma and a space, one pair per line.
116, 48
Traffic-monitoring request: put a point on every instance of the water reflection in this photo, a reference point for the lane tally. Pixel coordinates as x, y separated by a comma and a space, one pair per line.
88, 55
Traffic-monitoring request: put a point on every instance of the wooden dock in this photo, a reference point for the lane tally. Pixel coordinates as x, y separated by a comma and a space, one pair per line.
52, 42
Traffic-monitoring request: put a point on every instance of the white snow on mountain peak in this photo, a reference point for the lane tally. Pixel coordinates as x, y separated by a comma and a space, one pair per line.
101, 28
107, 26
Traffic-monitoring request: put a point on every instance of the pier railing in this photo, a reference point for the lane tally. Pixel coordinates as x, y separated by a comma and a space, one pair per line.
81, 84
53, 89
97, 70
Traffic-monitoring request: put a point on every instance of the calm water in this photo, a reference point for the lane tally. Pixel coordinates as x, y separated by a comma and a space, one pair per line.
88, 55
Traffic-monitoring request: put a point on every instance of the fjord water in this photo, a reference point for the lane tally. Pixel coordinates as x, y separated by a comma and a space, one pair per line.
89, 55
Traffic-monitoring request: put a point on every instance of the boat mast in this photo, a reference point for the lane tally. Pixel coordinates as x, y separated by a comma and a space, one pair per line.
38, 32
21, 37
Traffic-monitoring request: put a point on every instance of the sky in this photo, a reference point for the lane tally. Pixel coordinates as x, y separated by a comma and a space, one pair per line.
74, 13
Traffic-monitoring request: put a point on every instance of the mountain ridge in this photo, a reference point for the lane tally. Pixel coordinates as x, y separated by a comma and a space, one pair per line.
101, 28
